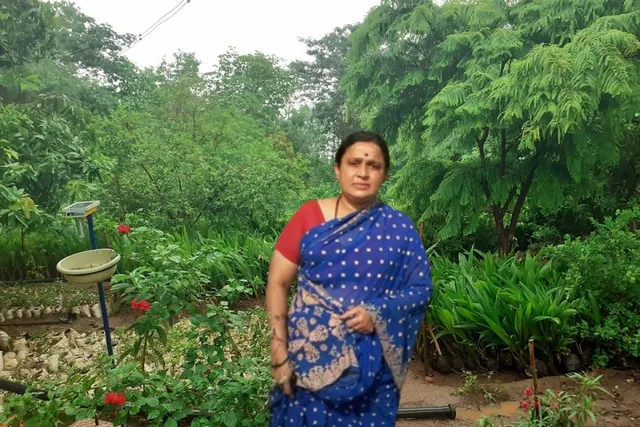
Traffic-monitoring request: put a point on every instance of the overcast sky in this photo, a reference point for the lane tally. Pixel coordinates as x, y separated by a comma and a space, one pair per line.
210, 27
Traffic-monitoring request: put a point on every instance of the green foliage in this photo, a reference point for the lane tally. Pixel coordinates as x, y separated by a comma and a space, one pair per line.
606, 268
485, 304
34, 255
607, 263
206, 388
42, 157
493, 111
190, 159
193, 263
256, 84
320, 84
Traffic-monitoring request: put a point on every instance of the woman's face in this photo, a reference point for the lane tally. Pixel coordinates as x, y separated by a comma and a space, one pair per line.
361, 171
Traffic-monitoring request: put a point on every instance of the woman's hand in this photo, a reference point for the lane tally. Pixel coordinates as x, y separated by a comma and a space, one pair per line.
283, 377
359, 319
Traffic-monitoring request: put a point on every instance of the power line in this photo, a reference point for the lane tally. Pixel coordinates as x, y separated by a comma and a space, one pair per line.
156, 24
160, 19
145, 33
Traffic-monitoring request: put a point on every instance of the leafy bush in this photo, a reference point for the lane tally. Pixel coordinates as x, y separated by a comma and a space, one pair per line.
606, 268
219, 261
608, 262
486, 303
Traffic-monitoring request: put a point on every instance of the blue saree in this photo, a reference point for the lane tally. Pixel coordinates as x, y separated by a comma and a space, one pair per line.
372, 258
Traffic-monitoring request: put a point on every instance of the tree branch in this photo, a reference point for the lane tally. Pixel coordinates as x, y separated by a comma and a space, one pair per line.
480, 141
504, 63
512, 194
483, 160
503, 152
524, 190
152, 180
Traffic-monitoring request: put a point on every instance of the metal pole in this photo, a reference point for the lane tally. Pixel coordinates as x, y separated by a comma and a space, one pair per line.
103, 302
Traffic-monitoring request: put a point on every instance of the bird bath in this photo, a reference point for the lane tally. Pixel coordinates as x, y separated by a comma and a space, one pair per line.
89, 267
92, 266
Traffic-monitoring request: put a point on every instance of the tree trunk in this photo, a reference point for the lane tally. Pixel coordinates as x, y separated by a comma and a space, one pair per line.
505, 241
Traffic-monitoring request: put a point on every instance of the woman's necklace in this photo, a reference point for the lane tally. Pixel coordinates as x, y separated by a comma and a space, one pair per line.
335, 214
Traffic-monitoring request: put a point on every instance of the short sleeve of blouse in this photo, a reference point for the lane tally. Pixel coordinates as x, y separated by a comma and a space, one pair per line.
308, 216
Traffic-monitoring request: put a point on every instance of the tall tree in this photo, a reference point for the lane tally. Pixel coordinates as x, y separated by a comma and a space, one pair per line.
497, 103
320, 84
256, 83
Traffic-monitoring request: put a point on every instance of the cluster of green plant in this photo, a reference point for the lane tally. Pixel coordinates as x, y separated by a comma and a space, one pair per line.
219, 377
34, 255
229, 265
605, 267
580, 297
486, 304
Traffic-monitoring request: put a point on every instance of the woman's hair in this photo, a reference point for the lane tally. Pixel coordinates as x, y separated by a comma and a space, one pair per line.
364, 136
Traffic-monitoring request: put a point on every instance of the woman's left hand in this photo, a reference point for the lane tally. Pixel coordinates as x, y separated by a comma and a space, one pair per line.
359, 319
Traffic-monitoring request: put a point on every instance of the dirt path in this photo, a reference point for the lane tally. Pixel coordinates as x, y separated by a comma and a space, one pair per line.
622, 408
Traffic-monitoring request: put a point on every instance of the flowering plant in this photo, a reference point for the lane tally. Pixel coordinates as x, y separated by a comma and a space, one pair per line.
124, 229
558, 409
143, 305
116, 399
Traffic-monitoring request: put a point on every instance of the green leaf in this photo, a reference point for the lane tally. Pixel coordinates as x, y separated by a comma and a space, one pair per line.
230, 419
152, 401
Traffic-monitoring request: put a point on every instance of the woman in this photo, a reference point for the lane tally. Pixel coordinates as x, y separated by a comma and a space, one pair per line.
340, 354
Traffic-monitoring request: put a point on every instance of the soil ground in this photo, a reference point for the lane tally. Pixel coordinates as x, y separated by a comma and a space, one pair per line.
621, 408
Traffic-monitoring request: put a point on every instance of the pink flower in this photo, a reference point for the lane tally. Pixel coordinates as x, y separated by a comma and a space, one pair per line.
525, 405
554, 405
528, 391
124, 229
117, 399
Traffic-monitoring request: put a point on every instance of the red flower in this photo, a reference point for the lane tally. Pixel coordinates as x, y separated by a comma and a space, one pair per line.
528, 391
536, 404
554, 405
124, 229
116, 399
525, 405
140, 305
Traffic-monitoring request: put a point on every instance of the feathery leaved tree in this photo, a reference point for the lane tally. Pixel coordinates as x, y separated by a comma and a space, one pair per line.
497, 103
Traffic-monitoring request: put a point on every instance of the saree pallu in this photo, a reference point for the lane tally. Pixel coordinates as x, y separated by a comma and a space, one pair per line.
372, 258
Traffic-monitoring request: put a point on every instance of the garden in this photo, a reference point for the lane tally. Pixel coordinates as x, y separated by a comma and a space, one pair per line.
515, 135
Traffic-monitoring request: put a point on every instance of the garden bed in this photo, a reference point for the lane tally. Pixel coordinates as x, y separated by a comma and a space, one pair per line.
621, 408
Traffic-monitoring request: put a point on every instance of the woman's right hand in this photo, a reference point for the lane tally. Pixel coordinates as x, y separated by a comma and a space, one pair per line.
283, 377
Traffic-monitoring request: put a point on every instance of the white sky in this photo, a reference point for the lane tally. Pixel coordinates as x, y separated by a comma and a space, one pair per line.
209, 27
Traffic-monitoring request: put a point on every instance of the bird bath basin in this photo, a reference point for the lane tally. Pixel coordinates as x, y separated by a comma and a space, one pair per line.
89, 267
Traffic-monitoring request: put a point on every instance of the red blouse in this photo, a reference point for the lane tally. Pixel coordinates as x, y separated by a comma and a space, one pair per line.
308, 216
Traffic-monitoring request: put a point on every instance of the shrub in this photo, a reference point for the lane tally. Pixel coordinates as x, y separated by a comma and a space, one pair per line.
605, 267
